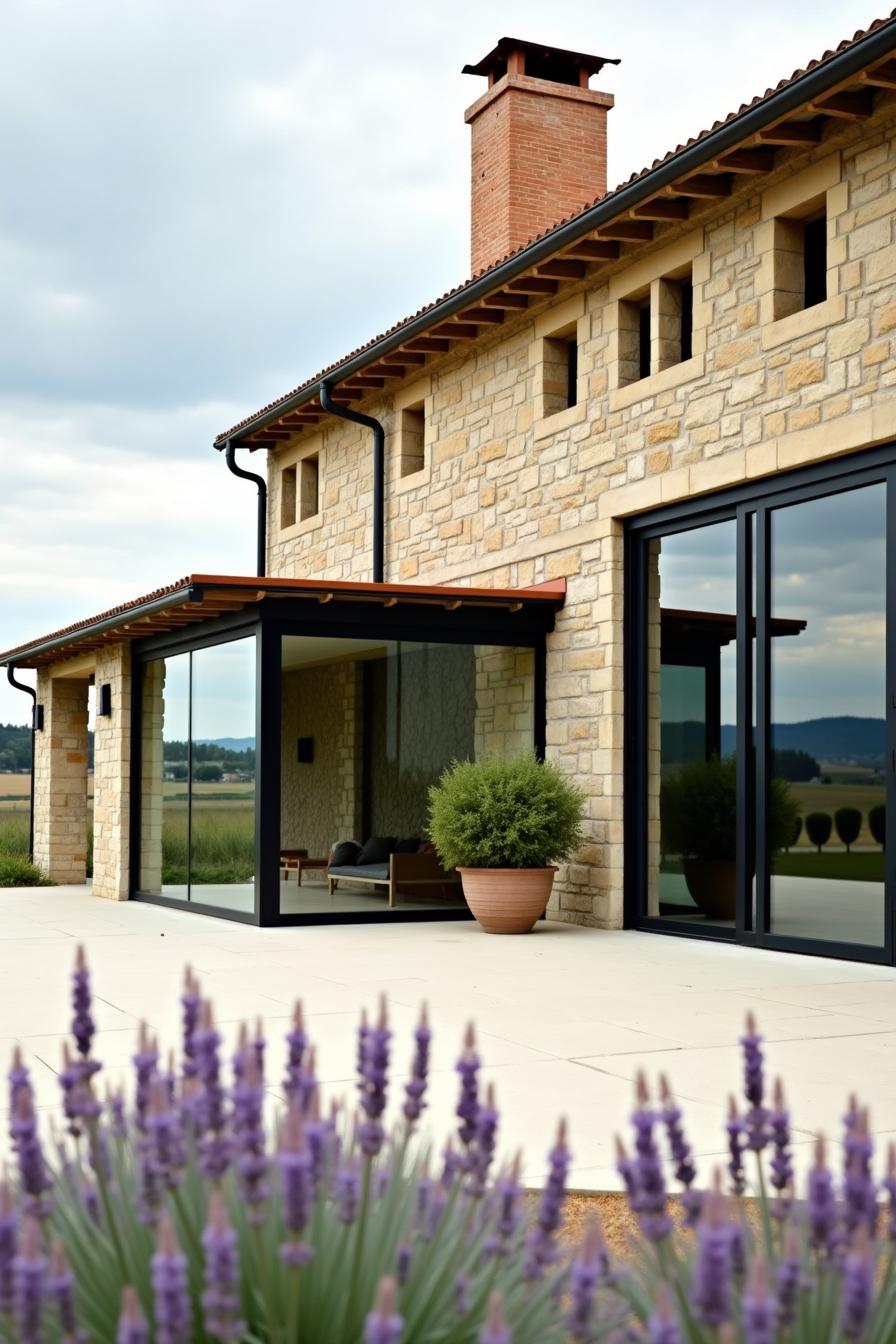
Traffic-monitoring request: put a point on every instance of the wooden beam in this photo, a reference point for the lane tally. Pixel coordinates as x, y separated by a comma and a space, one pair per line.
494, 316
533, 284
407, 356
387, 370
791, 133
505, 300
431, 345
627, 230
882, 76
345, 393
662, 208
593, 249
562, 270
456, 331
704, 186
365, 380
849, 106
747, 161
299, 419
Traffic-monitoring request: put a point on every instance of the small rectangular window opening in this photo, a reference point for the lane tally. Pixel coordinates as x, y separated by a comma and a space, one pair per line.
309, 487
412, 430
815, 261
561, 371
687, 319
572, 372
644, 339
287, 496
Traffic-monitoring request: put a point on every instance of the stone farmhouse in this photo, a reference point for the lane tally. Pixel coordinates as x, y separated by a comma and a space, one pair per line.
626, 496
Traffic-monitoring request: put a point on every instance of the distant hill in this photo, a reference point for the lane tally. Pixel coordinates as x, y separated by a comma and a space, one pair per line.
843, 738
229, 743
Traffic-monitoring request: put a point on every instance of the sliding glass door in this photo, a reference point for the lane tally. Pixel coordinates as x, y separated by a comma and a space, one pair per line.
760, 755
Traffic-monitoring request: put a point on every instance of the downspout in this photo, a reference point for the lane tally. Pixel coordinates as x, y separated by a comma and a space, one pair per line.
379, 471
261, 542
29, 690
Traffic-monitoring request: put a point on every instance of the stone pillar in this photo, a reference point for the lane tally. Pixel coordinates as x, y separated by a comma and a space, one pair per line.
152, 783
112, 777
60, 779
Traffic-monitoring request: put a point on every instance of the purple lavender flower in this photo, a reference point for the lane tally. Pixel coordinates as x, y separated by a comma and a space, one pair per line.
734, 1127
415, 1089
8, 1234
859, 1189
403, 1259
91, 1200
132, 1327
782, 1159
374, 1047
297, 1043
250, 1158
18, 1077
649, 1194
711, 1283
146, 1063
759, 1311
754, 1086
788, 1279
383, 1324
115, 1109
294, 1160
663, 1327
347, 1189
436, 1205
214, 1144
62, 1292
482, 1151
468, 1106
220, 1296
626, 1169
858, 1286
496, 1330
78, 1101
33, 1174
681, 1153
589, 1269
889, 1186
83, 1026
506, 1205
171, 1296
821, 1202
163, 1133
29, 1279
452, 1164
541, 1247
191, 1004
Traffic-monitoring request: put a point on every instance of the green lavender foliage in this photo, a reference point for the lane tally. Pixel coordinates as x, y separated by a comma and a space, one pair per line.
515, 812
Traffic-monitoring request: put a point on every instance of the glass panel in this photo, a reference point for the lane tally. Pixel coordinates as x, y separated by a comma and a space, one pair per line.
828, 706
367, 727
691, 733
164, 811
222, 832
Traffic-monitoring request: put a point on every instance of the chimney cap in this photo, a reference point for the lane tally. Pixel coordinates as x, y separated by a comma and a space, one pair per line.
544, 62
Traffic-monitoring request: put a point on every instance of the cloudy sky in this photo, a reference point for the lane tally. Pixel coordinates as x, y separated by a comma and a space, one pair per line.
203, 203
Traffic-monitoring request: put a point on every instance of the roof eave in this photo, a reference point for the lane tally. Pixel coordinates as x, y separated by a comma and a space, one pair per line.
872, 46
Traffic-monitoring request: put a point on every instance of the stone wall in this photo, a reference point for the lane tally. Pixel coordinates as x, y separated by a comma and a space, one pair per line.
509, 496
321, 800
60, 778
112, 776
505, 720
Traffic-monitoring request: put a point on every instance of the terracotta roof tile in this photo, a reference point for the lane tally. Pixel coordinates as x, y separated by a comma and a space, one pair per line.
635, 177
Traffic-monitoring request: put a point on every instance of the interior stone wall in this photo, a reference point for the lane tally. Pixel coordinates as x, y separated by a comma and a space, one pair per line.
321, 800
504, 700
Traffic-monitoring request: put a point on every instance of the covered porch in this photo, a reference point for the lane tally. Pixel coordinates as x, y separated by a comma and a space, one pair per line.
264, 748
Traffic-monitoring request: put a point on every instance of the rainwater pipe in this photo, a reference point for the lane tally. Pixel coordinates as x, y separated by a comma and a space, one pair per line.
379, 470
261, 540
29, 690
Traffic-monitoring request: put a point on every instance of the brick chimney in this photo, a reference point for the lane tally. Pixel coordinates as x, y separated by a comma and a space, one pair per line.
539, 149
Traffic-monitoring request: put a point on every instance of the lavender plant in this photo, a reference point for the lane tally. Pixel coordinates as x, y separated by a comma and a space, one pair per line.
198, 1210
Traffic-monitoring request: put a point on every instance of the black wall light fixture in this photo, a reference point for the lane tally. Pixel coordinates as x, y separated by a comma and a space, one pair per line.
104, 707
305, 750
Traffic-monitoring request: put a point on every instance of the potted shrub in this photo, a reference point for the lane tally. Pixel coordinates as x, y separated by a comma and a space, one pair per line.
504, 823
698, 810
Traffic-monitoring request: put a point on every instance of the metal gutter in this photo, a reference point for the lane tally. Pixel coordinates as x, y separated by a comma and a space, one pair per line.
29, 690
379, 471
114, 622
262, 524
873, 46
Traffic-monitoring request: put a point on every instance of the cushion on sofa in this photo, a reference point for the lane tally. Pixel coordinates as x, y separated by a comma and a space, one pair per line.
344, 853
408, 846
376, 872
377, 849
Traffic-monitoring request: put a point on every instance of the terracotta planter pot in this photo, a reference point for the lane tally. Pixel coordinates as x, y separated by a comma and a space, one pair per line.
507, 900
713, 885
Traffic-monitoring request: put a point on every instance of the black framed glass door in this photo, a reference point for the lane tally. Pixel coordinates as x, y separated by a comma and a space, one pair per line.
760, 707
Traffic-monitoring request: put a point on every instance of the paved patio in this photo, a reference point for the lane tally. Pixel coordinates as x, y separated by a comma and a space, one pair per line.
566, 1016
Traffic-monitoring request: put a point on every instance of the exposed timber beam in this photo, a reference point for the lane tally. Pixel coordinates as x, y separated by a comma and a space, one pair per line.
627, 230
662, 208
791, 133
702, 185
850, 106
747, 161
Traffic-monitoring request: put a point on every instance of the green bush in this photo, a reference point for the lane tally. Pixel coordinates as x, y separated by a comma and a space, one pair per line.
848, 822
504, 813
698, 808
796, 832
877, 823
18, 872
818, 828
